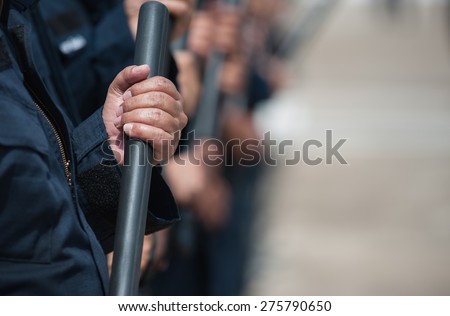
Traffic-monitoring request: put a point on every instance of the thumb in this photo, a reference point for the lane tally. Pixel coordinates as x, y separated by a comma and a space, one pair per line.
128, 77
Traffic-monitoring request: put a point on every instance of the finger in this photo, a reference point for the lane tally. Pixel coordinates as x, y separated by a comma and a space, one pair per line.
153, 117
127, 78
148, 133
176, 8
155, 100
155, 84
163, 143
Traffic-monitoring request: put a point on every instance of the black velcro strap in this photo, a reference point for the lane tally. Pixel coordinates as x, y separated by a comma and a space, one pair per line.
93, 184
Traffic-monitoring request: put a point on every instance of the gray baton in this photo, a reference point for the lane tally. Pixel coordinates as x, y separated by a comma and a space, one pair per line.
152, 47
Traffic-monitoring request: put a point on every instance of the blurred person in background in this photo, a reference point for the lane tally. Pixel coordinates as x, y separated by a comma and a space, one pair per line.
208, 252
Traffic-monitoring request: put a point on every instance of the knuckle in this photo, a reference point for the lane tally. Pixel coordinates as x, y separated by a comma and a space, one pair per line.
157, 98
159, 81
156, 114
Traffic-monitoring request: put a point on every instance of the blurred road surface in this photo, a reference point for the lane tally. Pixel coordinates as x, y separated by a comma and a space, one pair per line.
381, 224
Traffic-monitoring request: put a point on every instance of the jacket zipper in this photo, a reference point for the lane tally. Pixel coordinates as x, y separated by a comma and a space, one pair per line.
66, 161
43, 110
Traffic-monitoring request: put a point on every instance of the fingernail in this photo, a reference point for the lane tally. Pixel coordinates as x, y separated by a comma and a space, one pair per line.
126, 95
117, 122
127, 128
119, 111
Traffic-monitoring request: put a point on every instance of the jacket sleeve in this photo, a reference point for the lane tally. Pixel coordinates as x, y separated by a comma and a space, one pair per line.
98, 177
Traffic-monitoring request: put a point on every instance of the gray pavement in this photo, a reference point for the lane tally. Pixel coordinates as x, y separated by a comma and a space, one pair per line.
381, 224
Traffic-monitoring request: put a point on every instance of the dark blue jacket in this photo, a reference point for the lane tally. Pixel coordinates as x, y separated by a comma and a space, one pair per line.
93, 43
57, 200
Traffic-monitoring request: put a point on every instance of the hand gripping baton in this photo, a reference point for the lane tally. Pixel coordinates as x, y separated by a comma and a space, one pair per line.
152, 44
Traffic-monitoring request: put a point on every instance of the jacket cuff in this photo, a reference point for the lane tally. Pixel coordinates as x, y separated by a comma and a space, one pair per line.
91, 145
